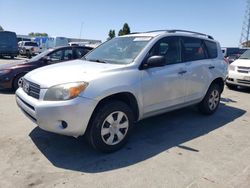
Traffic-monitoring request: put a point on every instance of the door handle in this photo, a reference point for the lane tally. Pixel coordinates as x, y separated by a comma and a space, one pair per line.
182, 72
211, 67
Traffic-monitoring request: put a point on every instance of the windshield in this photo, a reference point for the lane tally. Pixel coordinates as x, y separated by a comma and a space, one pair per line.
39, 56
121, 50
31, 44
245, 55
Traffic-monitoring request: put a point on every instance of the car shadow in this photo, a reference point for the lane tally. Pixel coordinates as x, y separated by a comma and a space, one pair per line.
150, 137
6, 91
243, 89
9, 58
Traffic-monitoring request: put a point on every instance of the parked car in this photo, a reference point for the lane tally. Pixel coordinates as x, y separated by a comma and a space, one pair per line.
11, 74
232, 50
28, 48
8, 44
239, 72
122, 81
232, 58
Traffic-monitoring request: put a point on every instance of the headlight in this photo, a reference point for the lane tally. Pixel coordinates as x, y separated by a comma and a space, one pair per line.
231, 67
65, 91
4, 71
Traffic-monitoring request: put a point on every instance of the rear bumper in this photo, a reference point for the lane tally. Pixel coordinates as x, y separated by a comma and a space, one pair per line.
52, 115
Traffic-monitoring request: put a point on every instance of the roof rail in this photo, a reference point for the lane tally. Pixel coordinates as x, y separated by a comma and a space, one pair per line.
177, 30
185, 31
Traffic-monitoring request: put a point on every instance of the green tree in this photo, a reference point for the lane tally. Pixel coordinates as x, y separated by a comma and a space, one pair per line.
125, 30
32, 34
1, 28
111, 34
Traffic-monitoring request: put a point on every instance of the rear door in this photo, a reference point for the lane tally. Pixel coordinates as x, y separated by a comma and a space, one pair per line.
198, 67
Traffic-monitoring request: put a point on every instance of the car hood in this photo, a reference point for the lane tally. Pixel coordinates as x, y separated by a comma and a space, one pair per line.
242, 62
12, 65
71, 71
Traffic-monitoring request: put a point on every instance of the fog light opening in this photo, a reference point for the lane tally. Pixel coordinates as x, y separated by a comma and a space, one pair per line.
64, 124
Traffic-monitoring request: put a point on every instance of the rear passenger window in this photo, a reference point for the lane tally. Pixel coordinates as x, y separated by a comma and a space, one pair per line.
193, 49
212, 49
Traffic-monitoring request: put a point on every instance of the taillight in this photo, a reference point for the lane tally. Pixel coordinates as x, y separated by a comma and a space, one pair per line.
32, 49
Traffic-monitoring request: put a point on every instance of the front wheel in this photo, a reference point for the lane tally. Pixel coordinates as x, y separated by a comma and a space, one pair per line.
211, 101
110, 126
18, 81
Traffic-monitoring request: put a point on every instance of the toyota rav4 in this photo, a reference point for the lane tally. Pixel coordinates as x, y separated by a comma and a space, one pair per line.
122, 81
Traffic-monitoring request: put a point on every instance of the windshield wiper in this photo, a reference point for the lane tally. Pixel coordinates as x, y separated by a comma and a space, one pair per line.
97, 60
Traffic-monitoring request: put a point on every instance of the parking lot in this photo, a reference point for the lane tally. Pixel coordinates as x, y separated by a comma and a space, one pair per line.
178, 149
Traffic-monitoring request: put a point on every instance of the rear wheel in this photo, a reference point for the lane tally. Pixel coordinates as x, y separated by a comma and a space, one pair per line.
28, 54
110, 126
17, 81
211, 101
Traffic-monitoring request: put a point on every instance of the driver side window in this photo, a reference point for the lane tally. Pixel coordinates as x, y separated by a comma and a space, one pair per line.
56, 56
168, 47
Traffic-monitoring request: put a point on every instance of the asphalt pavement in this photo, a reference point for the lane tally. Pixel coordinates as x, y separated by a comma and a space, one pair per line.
177, 149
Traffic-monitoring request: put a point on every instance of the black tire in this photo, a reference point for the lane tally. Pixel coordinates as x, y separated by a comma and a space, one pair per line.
16, 80
206, 106
28, 53
11, 57
231, 86
99, 122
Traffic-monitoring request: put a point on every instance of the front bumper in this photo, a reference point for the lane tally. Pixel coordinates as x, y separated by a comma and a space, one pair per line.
50, 115
239, 79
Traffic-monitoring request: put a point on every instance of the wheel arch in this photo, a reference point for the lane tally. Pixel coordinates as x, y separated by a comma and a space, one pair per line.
126, 97
220, 82
16, 75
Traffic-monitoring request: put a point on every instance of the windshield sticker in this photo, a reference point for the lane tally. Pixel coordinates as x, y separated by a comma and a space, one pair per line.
142, 39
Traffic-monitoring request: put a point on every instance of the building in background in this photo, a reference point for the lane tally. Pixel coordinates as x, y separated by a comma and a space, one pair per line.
51, 42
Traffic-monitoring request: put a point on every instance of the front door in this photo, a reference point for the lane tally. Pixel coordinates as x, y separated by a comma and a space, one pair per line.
164, 87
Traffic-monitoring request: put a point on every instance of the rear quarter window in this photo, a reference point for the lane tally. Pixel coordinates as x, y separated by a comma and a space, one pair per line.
211, 48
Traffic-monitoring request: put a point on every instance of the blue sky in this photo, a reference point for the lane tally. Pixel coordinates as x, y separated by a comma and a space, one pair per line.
222, 19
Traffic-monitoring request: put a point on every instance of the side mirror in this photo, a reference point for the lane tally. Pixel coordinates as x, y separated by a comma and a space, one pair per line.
46, 59
154, 61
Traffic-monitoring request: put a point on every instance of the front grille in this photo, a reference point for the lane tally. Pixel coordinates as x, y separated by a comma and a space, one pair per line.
243, 69
31, 89
243, 81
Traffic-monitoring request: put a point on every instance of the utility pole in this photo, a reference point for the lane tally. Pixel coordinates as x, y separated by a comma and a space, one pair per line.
244, 38
81, 31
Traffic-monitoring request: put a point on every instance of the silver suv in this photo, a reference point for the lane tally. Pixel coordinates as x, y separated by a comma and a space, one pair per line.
122, 81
